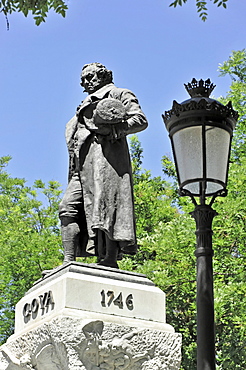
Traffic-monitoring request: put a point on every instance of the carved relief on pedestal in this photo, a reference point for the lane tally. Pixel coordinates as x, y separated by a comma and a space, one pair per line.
68, 343
103, 354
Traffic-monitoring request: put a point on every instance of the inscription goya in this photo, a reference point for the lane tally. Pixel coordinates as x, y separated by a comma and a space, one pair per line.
43, 301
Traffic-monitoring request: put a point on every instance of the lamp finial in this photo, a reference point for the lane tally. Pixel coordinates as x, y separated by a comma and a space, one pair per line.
199, 88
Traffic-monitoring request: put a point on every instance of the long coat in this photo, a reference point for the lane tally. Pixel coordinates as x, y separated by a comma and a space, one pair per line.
100, 154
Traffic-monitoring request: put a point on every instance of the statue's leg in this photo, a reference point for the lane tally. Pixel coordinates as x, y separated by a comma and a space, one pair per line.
69, 213
112, 250
101, 245
70, 238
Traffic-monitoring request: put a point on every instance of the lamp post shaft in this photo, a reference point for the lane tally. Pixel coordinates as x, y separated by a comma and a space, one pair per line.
203, 215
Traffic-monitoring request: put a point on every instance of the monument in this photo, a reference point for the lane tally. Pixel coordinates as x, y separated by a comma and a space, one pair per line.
95, 316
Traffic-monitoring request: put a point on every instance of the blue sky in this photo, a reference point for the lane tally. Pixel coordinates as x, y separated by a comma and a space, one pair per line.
152, 50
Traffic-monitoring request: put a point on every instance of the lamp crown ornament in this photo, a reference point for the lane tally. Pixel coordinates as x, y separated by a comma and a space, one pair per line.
199, 92
199, 88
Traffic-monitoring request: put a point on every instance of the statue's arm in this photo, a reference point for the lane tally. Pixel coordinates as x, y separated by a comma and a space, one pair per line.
135, 120
69, 134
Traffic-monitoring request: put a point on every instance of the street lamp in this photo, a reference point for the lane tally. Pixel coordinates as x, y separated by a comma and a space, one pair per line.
200, 130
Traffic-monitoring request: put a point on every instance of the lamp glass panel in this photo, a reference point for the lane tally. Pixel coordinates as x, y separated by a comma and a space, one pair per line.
189, 157
188, 150
212, 187
193, 187
217, 152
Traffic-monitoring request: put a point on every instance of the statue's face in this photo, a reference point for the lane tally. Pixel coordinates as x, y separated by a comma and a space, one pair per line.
90, 80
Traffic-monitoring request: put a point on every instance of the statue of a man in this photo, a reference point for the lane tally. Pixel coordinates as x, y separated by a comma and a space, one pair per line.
97, 211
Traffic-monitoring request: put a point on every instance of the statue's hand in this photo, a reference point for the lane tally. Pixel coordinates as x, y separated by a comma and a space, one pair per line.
118, 130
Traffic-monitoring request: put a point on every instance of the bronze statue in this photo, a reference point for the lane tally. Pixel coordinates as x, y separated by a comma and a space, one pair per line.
97, 212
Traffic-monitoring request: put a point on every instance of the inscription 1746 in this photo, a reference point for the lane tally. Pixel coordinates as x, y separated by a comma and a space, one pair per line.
109, 298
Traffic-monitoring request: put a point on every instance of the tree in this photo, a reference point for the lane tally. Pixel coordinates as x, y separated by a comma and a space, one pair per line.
38, 8
153, 196
201, 6
230, 230
235, 67
29, 239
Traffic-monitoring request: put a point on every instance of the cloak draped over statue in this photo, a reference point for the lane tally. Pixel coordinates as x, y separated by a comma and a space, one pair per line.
99, 157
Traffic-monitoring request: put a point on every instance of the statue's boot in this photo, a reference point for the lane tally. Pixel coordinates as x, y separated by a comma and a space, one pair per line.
112, 250
70, 238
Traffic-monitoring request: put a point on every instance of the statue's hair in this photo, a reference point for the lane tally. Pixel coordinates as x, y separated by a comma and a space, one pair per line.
102, 72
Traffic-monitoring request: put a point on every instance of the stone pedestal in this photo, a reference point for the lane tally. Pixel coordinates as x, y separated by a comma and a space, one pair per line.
92, 318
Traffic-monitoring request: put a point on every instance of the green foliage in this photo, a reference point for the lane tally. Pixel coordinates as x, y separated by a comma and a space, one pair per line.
235, 66
153, 196
168, 167
230, 325
230, 271
201, 6
29, 239
136, 152
38, 8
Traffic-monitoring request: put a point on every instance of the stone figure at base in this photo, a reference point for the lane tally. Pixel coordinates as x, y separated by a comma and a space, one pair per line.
97, 212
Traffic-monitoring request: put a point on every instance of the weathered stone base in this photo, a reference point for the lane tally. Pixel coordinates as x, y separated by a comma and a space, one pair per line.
85, 317
67, 343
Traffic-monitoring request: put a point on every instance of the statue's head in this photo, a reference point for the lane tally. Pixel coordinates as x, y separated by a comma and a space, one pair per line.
94, 76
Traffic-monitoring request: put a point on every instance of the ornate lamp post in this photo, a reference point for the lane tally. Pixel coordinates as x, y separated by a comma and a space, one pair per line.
201, 130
